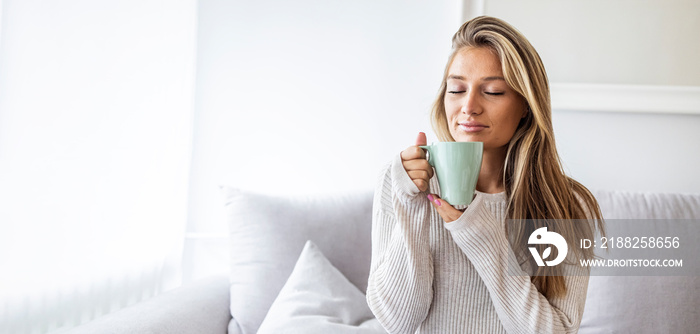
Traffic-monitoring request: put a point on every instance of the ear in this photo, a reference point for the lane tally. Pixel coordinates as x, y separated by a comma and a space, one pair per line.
525, 112
527, 109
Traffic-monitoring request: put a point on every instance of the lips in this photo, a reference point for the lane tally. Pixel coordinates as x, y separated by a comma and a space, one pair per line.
471, 126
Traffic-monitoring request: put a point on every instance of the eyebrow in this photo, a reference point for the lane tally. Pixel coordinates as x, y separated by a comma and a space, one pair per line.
459, 77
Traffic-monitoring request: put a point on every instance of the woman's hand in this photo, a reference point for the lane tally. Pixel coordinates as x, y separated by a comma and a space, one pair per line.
420, 172
446, 211
415, 164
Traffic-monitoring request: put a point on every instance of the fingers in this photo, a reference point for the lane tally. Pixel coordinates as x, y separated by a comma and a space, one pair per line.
419, 170
421, 178
446, 211
418, 164
415, 164
422, 185
419, 174
412, 152
421, 140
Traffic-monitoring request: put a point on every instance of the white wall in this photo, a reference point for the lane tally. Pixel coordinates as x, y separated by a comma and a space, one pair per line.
644, 42
630, 151
307, 96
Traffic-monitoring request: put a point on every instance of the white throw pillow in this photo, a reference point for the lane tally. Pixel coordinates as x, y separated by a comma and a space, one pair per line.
317, 298
268, 232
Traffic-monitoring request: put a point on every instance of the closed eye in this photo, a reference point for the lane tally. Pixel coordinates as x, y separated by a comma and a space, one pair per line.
456, 91
495, 93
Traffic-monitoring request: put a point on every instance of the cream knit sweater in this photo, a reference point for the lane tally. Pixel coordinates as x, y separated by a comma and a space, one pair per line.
428, 276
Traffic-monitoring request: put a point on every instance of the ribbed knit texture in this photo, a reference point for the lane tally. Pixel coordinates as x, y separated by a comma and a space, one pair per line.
428, 276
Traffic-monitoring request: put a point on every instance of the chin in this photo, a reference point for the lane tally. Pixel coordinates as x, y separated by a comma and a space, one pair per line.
464, 138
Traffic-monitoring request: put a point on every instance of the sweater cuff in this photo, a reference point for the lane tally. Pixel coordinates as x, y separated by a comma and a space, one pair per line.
475, 219
403, 184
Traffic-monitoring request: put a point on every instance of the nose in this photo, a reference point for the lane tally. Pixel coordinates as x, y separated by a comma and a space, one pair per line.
470, 104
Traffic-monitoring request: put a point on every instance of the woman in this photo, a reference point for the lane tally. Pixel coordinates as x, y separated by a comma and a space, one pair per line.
443, 269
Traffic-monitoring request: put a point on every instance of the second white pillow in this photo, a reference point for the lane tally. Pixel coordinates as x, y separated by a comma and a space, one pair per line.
317, 298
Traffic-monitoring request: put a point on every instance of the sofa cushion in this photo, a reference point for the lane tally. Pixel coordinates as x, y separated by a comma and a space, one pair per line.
642, 304
267, 233
199, 307
317, 298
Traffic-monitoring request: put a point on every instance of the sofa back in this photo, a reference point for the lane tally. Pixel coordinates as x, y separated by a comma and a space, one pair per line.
638, 205
643, 304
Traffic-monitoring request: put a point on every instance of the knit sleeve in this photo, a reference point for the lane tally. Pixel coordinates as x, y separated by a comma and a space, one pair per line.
519, 305
400, 291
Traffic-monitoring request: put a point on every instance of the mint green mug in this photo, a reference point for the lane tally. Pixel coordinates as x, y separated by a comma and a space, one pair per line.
457, 166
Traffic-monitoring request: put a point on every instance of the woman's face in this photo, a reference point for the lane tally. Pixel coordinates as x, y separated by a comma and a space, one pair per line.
479, 104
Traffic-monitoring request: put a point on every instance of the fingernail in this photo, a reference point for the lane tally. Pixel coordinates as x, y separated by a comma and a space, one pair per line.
437, 201
430, 197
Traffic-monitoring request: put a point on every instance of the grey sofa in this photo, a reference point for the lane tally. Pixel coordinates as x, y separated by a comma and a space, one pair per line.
277, 227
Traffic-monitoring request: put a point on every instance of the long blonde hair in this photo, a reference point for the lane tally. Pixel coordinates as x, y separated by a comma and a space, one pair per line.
535, 183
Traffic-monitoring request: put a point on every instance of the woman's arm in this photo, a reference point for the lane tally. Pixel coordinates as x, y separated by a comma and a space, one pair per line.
520, 306
399, 290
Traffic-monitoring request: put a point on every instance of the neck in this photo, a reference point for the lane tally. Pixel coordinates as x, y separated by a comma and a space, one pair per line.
491, 174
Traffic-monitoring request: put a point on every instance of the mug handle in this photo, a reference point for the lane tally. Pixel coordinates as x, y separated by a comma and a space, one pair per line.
429, 154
